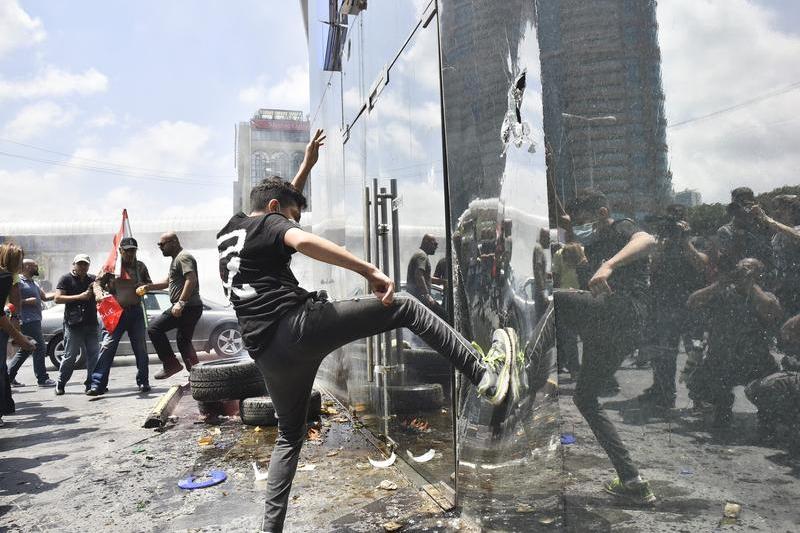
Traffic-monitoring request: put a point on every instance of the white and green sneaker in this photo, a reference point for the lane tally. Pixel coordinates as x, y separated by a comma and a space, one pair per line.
498, 362
519, 378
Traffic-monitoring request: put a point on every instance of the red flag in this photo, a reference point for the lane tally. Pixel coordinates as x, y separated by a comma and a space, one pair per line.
112, 264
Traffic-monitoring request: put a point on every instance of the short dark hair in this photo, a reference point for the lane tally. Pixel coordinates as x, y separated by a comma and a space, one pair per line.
275, 188
587, 200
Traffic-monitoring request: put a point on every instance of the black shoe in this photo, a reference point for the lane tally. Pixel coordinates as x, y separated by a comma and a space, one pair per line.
59, 390
15, 383
145, 388
93, 392
610, 388
652, 397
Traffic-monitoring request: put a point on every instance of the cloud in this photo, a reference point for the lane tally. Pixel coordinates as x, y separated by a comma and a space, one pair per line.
53, 82
35, 119
103, 119
717, 54
17, 28
289, 92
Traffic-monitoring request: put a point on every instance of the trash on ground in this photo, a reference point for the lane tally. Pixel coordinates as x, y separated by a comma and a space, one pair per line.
567, 439
383, 464
306, 467
732, 510
416, 425
216, 431
687, 471
332, 453
546, 520
260, 476
362, 466
329, 410
138, 450
257, 429
314, 434
214, 477
424, 458
341, 419
205, 440
525, 508
392, 526
387, 485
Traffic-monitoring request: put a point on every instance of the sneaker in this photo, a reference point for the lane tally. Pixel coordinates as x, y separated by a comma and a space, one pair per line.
15, 383
519, 378
498, 361
637, 492
47, 383
59, 390
94, 392
145, 388
165, 372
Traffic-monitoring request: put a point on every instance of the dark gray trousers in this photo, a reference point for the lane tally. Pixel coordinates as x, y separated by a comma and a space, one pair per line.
610, 327
303, 338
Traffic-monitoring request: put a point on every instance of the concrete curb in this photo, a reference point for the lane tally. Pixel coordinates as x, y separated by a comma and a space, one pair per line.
165, 406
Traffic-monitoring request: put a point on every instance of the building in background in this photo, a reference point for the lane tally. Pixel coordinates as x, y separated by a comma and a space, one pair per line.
271, 143
604, 117
688, 197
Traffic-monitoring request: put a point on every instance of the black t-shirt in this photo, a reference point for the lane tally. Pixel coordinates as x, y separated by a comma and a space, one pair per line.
71, 285
418, 263
630, 279
673, 278
254, 267
6, 281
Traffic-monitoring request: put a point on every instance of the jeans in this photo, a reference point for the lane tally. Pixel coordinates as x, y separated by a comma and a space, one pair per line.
132, 321
303, 338
79, 337
33, 330
6, 401
610, 328
185, 325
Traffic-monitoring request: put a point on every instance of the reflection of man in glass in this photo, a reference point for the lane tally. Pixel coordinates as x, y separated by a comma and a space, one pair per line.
746, 235
540, 271
608, 320
418, 275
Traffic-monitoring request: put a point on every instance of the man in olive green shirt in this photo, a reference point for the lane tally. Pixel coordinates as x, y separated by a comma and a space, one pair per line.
187, 307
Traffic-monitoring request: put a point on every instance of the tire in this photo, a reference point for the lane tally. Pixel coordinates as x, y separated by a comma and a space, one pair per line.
232, 378
260, 412
407, 399
227, 341
55, 351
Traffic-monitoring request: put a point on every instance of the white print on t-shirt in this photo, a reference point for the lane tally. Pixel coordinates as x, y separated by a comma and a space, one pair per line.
242, 291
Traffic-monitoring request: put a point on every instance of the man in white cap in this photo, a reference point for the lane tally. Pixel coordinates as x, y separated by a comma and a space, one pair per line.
80, 320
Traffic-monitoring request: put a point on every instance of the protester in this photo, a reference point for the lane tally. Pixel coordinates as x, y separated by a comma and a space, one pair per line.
132, 320
187, 307
80, 321
289, 331
746, 235
31, 298
609, 321
11, 257
418, 275
540, 271
742, 318
677, 270
786, 250
566, 261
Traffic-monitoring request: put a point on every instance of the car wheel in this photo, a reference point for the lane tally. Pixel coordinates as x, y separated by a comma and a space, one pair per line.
408, 399
227, 341
55, 351
232, 378
260, 411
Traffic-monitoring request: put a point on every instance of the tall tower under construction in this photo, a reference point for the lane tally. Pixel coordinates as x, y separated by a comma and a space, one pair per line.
604, 117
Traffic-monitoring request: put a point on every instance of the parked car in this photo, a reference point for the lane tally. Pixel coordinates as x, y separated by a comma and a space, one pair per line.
217, 329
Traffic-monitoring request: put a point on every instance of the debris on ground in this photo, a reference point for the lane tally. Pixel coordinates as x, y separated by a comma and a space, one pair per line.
424, 458
731, 513
214, 477
137, 450
314, 434
306, 467
332, 453
205, 440
567, 439
417, 425
387, 485
260, 476
392, 526
383, 464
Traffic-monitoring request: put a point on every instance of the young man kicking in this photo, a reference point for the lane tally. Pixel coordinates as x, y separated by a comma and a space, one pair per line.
289, 331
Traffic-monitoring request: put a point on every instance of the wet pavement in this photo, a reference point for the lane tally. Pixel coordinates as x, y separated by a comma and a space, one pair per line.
74, 464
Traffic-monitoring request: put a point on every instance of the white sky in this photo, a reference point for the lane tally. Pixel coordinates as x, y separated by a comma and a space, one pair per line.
158, 86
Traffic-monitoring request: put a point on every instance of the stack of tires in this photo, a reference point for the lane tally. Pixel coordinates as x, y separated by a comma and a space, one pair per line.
238, 378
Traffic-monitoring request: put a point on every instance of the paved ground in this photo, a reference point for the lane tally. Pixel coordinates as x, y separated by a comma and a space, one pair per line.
74, 464
71, 464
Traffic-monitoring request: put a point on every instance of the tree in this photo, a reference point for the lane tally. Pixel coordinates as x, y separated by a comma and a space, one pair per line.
705, 219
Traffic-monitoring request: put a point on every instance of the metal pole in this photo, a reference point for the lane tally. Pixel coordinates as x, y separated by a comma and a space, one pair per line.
400, 359
368, 256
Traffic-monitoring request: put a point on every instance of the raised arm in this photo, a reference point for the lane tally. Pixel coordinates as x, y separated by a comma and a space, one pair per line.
326, 251
640, 245
310, 159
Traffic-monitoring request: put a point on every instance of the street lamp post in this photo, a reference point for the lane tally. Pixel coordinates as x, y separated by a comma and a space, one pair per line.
604, 119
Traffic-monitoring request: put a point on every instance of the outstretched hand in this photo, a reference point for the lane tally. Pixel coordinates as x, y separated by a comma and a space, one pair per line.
312, 148
381, 286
